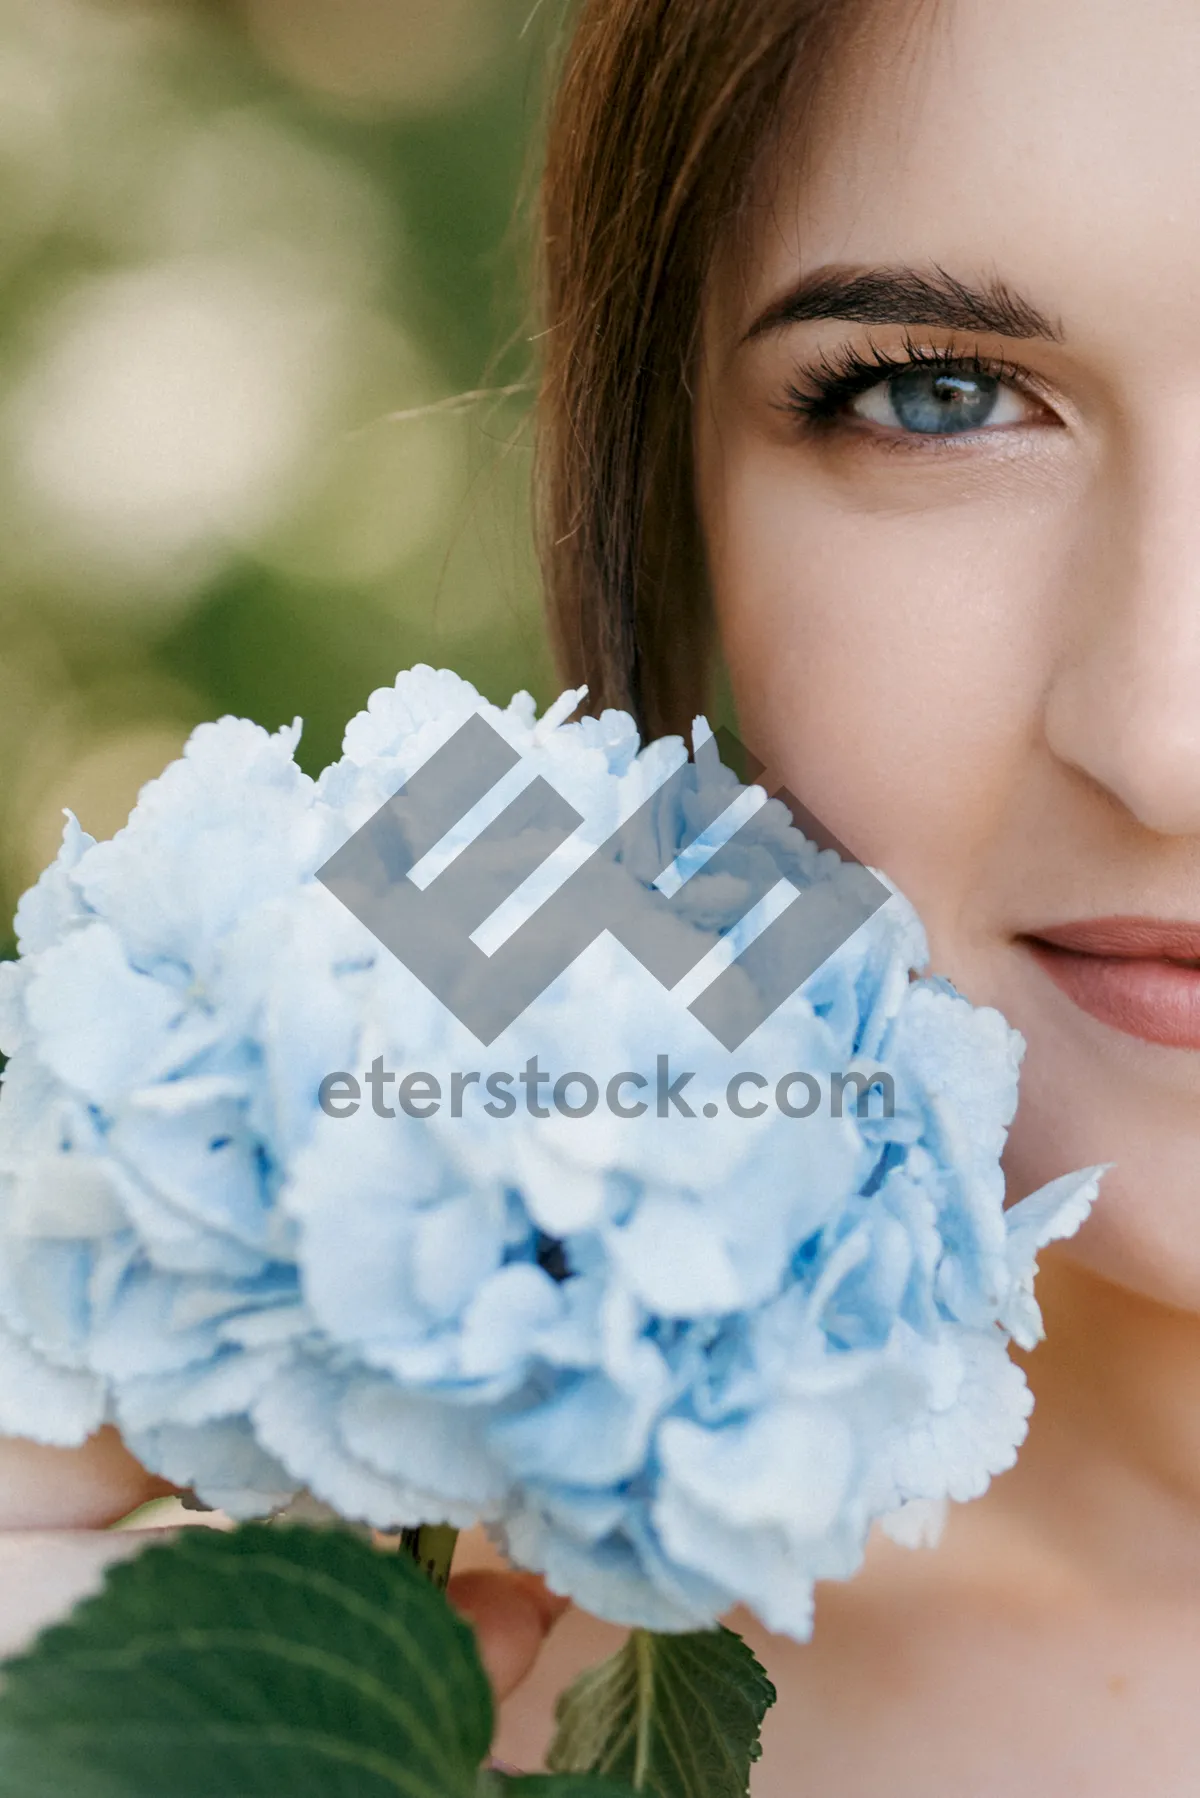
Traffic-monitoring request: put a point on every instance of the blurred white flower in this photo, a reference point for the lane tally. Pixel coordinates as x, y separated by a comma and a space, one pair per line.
102, 774
34, 167
244, 182
174, 405
400, 54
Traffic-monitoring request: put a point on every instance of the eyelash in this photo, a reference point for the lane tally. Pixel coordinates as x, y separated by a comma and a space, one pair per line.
818, 395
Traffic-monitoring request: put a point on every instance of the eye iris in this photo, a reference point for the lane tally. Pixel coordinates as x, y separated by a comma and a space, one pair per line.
935, 400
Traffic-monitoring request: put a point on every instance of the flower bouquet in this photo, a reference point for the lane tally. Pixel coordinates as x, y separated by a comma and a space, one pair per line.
472, 1135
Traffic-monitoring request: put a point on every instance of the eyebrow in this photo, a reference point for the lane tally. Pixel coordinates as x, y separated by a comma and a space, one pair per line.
906, 296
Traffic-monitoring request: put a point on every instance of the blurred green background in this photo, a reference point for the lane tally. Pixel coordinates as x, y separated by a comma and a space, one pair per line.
244, 248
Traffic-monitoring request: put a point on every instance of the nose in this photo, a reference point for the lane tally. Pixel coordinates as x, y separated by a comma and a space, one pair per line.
1124, 705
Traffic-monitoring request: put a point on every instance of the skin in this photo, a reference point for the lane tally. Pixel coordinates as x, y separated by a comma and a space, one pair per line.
977, 660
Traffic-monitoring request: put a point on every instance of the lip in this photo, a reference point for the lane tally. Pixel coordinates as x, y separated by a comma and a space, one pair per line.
1130, 973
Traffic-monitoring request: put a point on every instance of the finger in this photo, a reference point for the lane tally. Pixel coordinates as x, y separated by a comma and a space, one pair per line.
512, 1614
71, 1488
44, 1572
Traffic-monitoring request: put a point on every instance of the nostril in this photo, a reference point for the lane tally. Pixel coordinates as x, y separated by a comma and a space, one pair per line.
1121, 710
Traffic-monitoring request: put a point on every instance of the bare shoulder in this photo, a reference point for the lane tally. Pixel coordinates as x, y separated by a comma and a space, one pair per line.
983, 1669
986, 1667
908, 1684
885, 1643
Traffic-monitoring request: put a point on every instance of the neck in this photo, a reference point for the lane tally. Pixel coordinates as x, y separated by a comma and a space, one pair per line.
1111, 1469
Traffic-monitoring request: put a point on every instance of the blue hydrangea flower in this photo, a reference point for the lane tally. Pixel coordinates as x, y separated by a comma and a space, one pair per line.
675, 1362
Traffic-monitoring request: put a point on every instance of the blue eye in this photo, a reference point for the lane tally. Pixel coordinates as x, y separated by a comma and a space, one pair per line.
939, 402
916, 395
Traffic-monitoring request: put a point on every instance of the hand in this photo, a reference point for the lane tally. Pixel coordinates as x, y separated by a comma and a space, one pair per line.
43, 1572
54, 1504
512, 1614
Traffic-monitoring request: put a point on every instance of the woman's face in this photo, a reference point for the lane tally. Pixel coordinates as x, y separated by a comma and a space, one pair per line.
948, 453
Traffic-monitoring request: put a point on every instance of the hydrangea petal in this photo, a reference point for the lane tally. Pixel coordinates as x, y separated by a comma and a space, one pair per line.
59, 1406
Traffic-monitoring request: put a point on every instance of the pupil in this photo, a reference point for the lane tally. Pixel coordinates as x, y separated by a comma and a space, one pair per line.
936, 400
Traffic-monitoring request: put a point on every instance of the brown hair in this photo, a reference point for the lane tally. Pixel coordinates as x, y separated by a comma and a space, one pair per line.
662, 111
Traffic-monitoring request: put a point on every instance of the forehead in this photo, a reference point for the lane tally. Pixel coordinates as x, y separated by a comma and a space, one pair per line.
1056, 142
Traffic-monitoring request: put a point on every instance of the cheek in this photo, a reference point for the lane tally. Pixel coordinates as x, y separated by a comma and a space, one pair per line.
891, 654
888, 662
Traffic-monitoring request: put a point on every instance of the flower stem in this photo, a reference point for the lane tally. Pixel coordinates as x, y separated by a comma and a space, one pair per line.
431, 1546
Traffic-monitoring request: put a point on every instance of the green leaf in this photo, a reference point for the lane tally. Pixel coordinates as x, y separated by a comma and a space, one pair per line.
557, 1785
261, 1663
675, 1716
